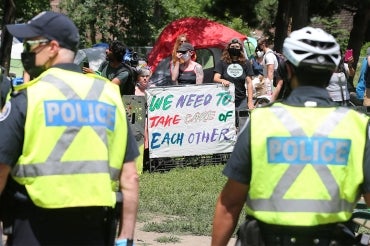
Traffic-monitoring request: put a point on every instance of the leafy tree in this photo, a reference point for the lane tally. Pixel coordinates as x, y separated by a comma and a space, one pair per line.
12, 11
333, 26
224, 9
125, 20
24, 9
266, 11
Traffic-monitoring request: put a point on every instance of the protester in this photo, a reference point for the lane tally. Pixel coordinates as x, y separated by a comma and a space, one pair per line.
312, 188
273, 83
338, 83
233, 67
364, 79
256, 62
143, 83
115, 69
186, 71
259, 88
142, 79
361, 84
179, 41
65, 147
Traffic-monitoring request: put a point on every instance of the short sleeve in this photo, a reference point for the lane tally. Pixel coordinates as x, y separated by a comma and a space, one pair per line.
12, 121
270, 58
218, 68
132, 150
238, 167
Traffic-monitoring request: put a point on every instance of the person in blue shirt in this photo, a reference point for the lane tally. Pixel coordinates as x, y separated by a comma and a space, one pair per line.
361, 85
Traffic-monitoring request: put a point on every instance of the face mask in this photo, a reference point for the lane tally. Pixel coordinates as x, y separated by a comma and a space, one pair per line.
234, 51
29, 64
185, 57
259, 54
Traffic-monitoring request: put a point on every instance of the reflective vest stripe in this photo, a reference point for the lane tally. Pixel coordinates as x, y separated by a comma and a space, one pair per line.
276, 202
294, 205
68, 167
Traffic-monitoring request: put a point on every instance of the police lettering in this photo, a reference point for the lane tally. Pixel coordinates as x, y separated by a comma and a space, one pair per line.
308, 150
79, 113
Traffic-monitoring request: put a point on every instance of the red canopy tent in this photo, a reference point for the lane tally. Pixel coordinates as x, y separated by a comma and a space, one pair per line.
200, 32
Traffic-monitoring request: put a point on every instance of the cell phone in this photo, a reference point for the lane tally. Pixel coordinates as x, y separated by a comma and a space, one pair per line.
86, 64
348, 54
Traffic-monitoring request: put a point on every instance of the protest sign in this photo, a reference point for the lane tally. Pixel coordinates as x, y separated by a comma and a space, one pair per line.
191, 120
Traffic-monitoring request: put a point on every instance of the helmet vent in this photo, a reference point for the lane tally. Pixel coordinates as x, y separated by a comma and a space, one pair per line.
318, 44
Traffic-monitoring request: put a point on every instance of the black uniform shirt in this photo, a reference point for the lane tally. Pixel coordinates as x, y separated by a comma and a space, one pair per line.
13, 118
238, 167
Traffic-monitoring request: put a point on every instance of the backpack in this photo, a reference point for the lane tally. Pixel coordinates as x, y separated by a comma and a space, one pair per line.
281, 73
127, 88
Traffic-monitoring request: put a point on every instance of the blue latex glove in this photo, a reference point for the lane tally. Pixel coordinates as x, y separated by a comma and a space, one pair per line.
122, 242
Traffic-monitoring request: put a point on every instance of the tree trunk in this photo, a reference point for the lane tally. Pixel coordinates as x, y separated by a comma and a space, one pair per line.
282, 23
92, 32
299, 14
6, 37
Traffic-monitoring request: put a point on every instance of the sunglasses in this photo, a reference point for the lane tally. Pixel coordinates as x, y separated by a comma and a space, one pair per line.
32, 44
235, 41
182, 52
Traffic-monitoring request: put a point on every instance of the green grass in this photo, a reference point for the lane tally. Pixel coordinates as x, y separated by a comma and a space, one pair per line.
170, 239
180, 201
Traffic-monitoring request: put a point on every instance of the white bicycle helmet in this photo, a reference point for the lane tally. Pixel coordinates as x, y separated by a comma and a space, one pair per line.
312, 47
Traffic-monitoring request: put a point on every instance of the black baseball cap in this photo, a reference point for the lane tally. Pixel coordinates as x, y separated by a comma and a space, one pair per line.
185, 47
51, 25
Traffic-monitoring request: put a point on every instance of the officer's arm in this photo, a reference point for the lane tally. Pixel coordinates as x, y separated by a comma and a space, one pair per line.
228, 207
130, 188
4, 172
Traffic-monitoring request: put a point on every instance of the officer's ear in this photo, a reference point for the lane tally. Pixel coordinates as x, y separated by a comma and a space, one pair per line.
54, 47
289, 70
290, 75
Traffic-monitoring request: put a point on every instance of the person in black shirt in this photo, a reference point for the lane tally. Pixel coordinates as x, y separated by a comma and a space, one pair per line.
234, 68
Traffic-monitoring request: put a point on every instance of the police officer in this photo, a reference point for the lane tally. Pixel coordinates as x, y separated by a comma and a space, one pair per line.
295, 164
65, 146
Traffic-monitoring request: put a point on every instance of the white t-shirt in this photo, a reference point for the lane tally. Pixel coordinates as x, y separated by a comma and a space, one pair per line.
269, 58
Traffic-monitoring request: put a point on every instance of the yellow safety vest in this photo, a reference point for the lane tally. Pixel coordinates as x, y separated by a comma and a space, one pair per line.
307, 164
75, 140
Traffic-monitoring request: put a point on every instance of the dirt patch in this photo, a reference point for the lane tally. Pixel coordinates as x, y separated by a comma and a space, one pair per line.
143, 238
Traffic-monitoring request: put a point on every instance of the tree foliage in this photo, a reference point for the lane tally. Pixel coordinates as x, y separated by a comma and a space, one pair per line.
125, 20
138, 23
333, 26
26, 9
